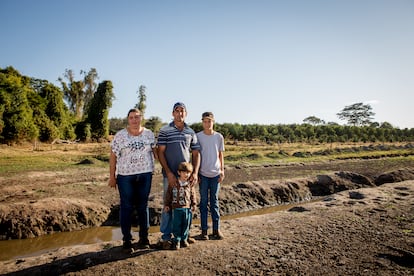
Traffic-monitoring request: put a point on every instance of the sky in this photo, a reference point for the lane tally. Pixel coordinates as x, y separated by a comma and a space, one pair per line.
247, 61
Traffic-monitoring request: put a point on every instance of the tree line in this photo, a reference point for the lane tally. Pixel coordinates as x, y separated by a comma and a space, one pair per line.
35, 110
307, 133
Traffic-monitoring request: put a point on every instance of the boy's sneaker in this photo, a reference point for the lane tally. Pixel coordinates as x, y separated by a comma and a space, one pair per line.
204, 235
217, 235
127, 245
191, 240
185, 244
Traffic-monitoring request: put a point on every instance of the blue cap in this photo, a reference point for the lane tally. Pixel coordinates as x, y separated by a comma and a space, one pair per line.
179, 104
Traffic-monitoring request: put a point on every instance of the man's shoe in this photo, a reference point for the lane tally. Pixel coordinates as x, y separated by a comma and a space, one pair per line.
190, 240
166, 245
204, 235
217, 235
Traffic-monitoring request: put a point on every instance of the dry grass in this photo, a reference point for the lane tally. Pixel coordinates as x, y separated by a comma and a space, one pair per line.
49, 157
40, 156
256, 152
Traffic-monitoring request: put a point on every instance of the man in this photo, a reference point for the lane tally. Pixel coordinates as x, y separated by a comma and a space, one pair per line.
177, 143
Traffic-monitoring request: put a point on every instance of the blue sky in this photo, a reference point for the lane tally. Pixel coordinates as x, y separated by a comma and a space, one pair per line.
264, 61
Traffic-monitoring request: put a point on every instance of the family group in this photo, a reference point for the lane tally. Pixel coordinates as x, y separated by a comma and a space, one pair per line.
189, 161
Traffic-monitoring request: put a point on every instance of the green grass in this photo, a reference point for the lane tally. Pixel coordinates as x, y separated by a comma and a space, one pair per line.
42, 157
303, 153
59, 157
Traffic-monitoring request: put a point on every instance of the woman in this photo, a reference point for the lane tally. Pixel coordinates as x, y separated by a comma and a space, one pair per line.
131, 165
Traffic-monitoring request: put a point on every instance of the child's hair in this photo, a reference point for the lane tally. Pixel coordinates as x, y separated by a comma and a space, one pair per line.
185, 167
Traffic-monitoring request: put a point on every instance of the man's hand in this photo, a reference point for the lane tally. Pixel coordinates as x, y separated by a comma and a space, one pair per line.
194, 179
171, 178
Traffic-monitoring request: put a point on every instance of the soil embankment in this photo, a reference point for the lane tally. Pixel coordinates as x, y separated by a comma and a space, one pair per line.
363, 225
48, 202
367, 231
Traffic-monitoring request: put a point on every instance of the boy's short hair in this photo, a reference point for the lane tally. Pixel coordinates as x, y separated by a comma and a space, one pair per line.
185, 167
207, 115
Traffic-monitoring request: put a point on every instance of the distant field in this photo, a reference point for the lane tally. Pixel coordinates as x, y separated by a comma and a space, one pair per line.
30, 157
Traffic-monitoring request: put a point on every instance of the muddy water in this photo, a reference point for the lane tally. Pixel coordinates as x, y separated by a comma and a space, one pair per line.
15, 249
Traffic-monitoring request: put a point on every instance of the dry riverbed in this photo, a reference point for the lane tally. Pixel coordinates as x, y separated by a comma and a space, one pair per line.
359, 229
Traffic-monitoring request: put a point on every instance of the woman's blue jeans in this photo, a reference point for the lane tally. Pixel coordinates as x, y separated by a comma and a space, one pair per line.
134, 191
209, 190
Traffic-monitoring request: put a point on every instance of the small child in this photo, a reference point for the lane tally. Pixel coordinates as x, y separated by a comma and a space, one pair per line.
181, 198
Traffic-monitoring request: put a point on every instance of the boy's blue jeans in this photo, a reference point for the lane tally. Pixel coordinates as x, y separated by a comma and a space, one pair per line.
209, 190
181, 220
134, 191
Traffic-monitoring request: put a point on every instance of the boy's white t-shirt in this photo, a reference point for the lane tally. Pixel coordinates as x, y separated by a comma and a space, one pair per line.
211, 145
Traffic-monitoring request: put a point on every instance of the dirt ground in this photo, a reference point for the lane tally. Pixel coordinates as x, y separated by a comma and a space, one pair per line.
367, 231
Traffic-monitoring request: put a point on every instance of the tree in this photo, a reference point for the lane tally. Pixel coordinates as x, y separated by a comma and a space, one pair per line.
90, 86
17, 117
313, 120
48, 131
154, 123
78, 94
55, 109
116, 124
99, 109
386, 125
358, 114
142, 98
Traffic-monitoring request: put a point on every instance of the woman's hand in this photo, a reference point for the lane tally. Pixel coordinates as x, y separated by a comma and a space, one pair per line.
112, 182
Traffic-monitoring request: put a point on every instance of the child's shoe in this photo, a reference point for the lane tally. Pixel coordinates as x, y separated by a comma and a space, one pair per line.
175, 246
185, 243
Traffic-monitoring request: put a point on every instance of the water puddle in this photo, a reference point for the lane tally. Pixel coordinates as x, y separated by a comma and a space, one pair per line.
15, 249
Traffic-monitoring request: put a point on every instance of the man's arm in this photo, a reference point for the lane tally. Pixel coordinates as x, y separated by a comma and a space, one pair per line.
163, 161
195, 159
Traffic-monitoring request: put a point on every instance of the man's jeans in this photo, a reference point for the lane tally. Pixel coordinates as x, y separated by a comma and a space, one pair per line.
134, 191
166, 217
209, 188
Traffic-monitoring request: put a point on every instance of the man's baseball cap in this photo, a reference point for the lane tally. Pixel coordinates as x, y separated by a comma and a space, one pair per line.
179, 104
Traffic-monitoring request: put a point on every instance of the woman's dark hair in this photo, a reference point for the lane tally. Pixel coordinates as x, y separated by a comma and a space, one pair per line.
133, 110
